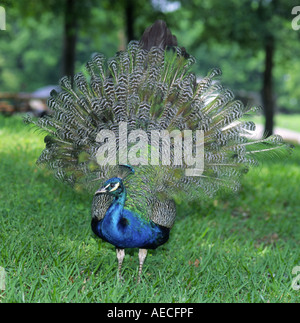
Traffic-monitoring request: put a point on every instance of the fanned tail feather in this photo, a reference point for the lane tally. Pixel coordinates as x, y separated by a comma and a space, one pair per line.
150, 86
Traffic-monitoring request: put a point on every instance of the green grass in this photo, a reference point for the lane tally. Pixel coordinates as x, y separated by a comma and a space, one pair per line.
233, 248
287, 121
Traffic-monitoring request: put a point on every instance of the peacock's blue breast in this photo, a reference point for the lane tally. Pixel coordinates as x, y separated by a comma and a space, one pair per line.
131, 231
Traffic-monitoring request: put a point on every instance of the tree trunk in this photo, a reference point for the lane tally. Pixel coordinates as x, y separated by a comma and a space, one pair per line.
267, 91
129, 20
70, 38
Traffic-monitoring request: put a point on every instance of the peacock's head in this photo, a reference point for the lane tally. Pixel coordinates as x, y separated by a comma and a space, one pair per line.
114, 186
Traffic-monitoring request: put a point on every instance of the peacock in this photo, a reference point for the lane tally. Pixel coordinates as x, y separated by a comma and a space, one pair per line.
139, 130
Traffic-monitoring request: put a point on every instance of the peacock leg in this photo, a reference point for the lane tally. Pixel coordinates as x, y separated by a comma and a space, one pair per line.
120, 256
142, 257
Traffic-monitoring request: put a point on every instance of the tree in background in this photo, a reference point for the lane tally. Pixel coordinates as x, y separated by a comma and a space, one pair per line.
253, 24
74, 14
76, 17
51, 38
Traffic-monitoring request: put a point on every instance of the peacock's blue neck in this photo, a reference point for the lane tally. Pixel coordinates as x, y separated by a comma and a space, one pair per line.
115, 211
120, 198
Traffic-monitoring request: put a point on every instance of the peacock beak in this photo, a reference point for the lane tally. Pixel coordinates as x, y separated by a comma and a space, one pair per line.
101, 191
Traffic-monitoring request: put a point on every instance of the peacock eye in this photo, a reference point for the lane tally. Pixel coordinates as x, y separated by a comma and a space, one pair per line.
113, 187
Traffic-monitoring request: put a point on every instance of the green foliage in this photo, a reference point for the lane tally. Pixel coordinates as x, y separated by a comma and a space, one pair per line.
233, 248
233, 34
32, 45
30, 54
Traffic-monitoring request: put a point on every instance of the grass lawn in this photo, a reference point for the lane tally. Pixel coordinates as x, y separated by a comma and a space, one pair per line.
287, 121
233, 248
